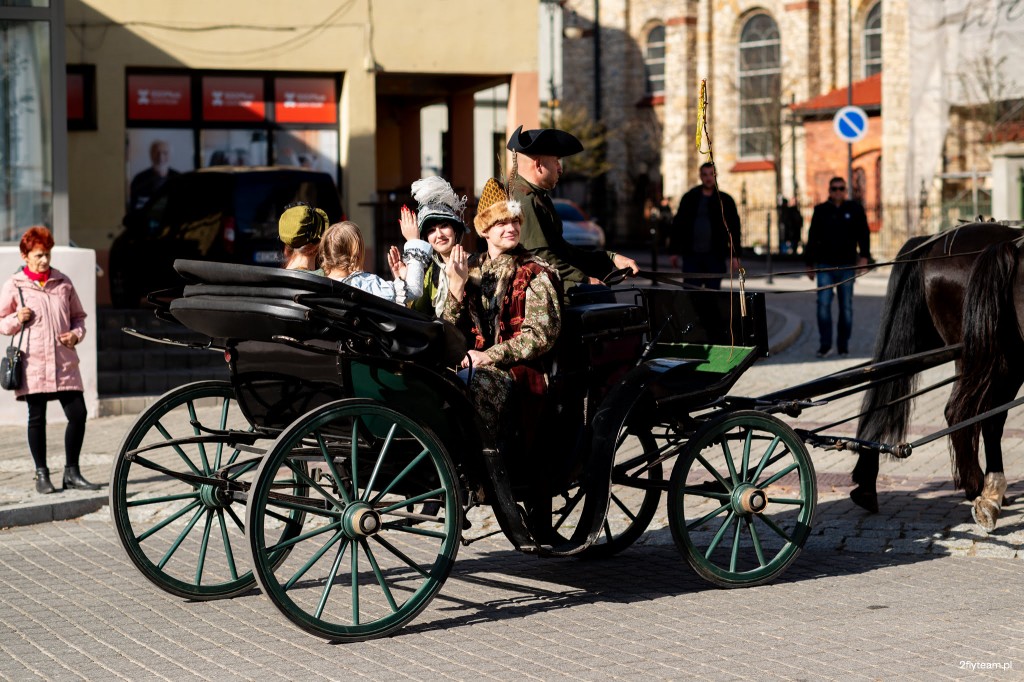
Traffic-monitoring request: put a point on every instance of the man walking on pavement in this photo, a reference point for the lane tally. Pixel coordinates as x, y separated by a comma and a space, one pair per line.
537, 173
705, 232
837, 240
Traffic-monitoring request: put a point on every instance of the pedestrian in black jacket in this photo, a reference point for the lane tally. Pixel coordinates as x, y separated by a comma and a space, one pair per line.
837, 241
705, 232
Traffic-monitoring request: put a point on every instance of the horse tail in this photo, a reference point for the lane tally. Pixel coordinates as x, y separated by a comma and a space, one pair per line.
987, 301
906, 328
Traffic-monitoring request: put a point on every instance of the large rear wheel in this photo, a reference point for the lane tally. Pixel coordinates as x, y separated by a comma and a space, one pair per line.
383, 520
741, 499
172, 501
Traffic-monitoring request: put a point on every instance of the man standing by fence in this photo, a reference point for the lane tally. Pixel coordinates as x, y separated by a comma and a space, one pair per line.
705, 232
838, 233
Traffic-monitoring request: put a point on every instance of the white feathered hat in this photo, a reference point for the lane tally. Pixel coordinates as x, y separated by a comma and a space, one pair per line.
438, 203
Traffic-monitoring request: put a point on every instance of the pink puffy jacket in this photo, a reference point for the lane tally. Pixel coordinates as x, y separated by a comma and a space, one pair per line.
49, 365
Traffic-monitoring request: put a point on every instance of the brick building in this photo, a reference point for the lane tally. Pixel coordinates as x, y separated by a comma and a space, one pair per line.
637, 65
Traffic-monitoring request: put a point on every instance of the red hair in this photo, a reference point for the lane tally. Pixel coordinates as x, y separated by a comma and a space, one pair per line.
36, 238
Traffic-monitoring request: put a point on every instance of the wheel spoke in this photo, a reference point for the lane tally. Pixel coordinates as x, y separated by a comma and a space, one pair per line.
719, 535
778, 531
380, 461
305, 536
778, 475
765, 458
729, 464
162, 498
702, 492
331, 578
288, 504
746, 455
787, 500
313, 484
625, 510
380, 576
181, 537
170, 519
227, 544
401, 555
353, 467
333, 469
570, 505
413, 530
355, 572
312, 560
409, 467
735, 547
234, 517
195, 430
707, 517
223, 427
756, 541
177, 448
202, 548
714, 472
436, 492
242, 468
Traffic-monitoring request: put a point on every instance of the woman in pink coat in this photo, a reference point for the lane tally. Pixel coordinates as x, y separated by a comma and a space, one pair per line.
42, 302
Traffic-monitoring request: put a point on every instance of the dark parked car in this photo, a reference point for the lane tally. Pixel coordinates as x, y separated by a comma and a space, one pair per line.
222, 214
577, 227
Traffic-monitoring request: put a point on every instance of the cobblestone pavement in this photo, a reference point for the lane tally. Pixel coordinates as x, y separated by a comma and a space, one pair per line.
914, 592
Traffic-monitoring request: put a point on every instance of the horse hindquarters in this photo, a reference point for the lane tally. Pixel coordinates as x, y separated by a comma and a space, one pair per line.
906, 327
989, 374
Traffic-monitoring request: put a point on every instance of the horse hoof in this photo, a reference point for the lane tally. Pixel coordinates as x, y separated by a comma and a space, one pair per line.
985, 513
866, 499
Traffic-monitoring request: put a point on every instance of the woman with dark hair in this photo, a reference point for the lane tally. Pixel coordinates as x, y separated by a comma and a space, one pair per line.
41, 303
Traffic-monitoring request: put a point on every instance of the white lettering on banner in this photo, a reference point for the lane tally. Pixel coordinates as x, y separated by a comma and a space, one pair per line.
159, 97
297, 100
233, 98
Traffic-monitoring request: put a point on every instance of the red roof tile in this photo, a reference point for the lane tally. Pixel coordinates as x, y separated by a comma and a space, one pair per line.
867, 93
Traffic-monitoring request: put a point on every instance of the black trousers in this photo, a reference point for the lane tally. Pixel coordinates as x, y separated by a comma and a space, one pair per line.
73, 403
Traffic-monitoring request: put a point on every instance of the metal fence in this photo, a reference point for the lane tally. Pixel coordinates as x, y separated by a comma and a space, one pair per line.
891, 224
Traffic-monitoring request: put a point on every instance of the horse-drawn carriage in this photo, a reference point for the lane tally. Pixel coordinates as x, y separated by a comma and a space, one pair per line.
345, 458
344, 455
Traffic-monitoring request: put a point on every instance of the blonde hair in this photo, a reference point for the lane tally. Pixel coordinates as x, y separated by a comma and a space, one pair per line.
341, 248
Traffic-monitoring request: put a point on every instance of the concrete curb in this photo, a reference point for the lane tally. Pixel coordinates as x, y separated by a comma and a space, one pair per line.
29, 513
792, 327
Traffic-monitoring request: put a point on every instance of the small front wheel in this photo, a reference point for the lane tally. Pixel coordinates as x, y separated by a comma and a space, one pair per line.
383, 520
741, 499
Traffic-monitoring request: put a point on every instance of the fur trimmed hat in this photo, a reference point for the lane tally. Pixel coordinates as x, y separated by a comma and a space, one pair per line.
438, 203
495, 207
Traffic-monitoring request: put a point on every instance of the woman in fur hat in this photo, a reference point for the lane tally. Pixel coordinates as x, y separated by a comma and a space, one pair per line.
438, 220
510, 302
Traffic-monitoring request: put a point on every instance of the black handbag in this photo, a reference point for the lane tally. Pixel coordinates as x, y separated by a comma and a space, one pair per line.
11, 369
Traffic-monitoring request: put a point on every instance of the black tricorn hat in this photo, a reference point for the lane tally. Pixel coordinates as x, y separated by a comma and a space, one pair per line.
544, 142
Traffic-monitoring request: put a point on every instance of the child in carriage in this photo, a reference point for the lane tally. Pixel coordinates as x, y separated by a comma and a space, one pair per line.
438, 220
342, 253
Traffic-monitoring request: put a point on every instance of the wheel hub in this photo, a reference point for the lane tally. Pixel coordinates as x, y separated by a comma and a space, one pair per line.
746, 499
360, 520
213, 497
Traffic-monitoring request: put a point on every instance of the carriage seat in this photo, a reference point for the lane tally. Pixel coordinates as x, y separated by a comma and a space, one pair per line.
603, 320
246, 302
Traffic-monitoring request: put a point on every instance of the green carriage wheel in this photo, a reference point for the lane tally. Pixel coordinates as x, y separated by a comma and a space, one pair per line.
741, 499
370, 558
186, 537
637, 477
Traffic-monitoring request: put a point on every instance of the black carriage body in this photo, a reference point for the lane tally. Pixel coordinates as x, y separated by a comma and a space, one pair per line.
374, 437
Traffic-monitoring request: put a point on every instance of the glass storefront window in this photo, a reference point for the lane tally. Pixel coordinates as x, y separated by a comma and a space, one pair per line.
26, 172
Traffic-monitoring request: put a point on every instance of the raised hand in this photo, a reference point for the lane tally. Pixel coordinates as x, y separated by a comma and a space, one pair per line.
407, 221
457, 271
397, 265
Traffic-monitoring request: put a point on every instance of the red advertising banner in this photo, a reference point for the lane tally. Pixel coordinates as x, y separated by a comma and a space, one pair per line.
305, 100
227, 98
159, 98
76, 96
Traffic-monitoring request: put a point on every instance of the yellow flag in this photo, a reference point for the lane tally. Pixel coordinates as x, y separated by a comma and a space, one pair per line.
702, 101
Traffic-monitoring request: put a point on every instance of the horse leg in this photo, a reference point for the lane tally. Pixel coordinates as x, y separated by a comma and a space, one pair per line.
865, 475
989, 503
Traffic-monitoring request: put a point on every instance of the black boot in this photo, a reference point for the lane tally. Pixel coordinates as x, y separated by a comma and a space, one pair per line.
42, 479
73, 479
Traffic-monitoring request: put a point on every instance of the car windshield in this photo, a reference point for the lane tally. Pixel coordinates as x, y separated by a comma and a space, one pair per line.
261, 200
569, 212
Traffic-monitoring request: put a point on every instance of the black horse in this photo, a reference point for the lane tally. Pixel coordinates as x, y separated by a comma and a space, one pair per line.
964, 285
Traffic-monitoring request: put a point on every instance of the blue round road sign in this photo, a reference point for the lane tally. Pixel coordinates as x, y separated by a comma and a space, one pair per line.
850, 124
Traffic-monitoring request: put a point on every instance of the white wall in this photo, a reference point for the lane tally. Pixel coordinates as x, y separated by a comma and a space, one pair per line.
80, 266
1007, 165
